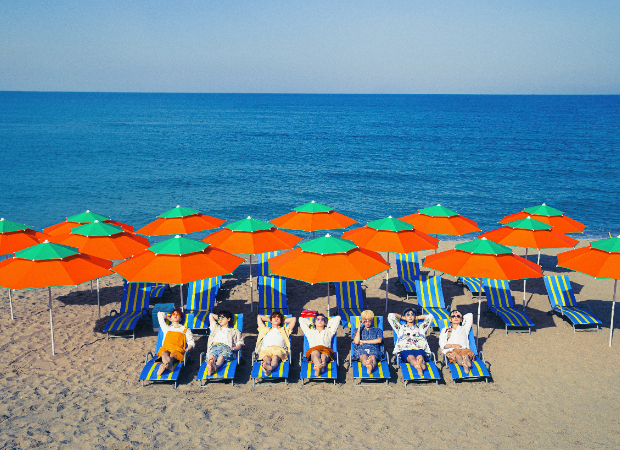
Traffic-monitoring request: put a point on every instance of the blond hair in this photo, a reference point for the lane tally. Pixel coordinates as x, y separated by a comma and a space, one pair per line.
368, 314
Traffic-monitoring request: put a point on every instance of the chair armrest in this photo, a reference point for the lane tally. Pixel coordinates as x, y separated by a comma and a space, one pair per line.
113, 313
300, 357
433, 358
587, 306
254, 356
481, 356
449, 308
147, 357
145, 311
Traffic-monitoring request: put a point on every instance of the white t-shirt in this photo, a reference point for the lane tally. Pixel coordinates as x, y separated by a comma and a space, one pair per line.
221, 337
274, 338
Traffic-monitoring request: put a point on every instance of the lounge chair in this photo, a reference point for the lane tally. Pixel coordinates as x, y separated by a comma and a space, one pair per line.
200, 302
360, 372
431, 373
149, 373
134, 306
307, 367
227, 371
474, 285
271, 295
408, 270
430, 300
263, 263
501, 302
563, 301
350, 300
158, 289
281, 371
478, 370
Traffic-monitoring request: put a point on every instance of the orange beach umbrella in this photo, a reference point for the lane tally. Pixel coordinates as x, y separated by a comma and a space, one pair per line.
441, 220
50, 265
550, 216
180, 220
81, 219
313, 217
17, 236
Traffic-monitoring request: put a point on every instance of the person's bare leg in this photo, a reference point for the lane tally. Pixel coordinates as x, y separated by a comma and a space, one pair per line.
275, 360
421, 364
415, 363
461, 362
210, 365
219, 363
373, 362
316, 360
267, 365
467, 363
365, 360
324, 362
165, 363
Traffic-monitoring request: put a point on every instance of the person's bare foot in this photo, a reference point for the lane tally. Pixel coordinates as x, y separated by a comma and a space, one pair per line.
369, 367
211, 366
317, 370
266, 368
162, 368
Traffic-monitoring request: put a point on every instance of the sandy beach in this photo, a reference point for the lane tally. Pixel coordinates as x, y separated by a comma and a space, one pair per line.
552, 388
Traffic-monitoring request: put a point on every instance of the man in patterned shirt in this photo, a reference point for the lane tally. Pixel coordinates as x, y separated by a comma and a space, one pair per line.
411, 343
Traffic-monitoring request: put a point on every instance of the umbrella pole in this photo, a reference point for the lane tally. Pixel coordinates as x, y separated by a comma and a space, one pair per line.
11, 304
328, 308
524, 282
49, 291
98, 302
91, 286
538, 261
251, 289
387, 280
478, 326
181, 292
613, 306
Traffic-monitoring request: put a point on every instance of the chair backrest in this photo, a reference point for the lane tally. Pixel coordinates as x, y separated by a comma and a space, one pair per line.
157, 289
272, 293
560, 291
472, 342
201, 294
238, 322
263, 263
333, 343
408, 266
135, 297
349, 294
498, 293
473, 284
430, 294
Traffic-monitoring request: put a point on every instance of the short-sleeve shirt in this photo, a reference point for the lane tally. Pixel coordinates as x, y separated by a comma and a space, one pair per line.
411, 337
368, 349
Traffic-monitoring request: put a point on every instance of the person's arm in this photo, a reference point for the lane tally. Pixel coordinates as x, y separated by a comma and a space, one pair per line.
443, 338
332, 325
189, 340
468, 320
161, 318
356, 338
394, 320
428, 320
374, 341
290, 323
238, 341
260, 320
304, 324
212, 319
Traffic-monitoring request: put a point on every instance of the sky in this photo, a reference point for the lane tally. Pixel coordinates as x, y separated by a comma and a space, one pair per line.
318, 46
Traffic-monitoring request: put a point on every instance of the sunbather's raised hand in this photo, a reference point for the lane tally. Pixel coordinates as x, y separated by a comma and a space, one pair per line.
356, 338
260, 320
290, 322
213, 319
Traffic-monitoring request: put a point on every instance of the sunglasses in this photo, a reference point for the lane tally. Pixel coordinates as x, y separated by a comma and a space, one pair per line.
367, 320
457, 316
322, 319
410, 314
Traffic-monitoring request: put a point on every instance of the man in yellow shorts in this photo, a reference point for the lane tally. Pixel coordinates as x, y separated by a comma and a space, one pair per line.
273, 344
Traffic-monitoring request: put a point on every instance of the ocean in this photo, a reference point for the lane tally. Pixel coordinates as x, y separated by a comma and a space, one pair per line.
134, 156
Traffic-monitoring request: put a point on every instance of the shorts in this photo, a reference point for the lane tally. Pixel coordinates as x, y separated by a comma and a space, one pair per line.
272, 351
325, 350
217, 350
406, 353
451, 355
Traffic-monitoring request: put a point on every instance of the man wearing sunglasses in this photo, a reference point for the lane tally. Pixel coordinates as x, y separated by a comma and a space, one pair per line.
454, 340
411, 344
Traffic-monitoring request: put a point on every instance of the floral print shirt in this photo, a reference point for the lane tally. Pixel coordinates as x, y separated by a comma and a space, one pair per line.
410, 337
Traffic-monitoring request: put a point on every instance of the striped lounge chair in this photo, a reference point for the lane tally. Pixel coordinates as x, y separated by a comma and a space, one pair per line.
200, 302
281, 373
272, 295
501, 302
307, 368
262, 260
134, 306
360, 372
430, 300
479, 369
227, 371
158, 289
474, 285
408, 270
563, 301
410, 374
350, 300
149, 372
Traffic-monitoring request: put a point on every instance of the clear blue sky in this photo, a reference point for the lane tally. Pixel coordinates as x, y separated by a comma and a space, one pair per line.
362, 46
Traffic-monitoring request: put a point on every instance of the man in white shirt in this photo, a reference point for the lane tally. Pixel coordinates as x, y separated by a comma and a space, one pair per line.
273, 344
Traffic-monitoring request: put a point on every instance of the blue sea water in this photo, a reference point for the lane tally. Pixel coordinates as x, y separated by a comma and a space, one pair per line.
134, 156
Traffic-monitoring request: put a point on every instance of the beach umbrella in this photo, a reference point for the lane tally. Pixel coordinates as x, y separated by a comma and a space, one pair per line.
251, 237
328, 259
81, 219
17, 236
180, 220
529, 233
600, 259
178, 260
482, 258
51, 265
390, 235
441, 220
313, 217
550, 216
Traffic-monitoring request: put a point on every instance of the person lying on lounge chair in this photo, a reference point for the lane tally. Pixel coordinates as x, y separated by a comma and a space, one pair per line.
176, 338
273, 343
454, 340
223, 341
319, 340
410, 338
367, 340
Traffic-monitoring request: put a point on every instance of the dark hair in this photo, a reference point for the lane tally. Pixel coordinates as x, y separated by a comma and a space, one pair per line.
276, 313
177, 310
407, 310
456, 311
226, 314
321, 315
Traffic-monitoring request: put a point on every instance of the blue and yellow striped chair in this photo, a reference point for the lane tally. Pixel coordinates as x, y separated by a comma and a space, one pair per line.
563, 301
479, 369
200, 302
280, 373
149, 373
272, 295
262, 260
227, 371
157, 289
408, 270
134, 306
360, 372
431, 373
350, 300
474, 285
430, 300
307, 368
500, 301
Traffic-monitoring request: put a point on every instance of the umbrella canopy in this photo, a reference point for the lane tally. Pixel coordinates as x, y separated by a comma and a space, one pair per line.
391, 235
313, 217
529, 233
328, 259
441, 220
601, 259
81, 219
49, 265
180, 220
103, 240
17, 236
482, 258
550, 216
